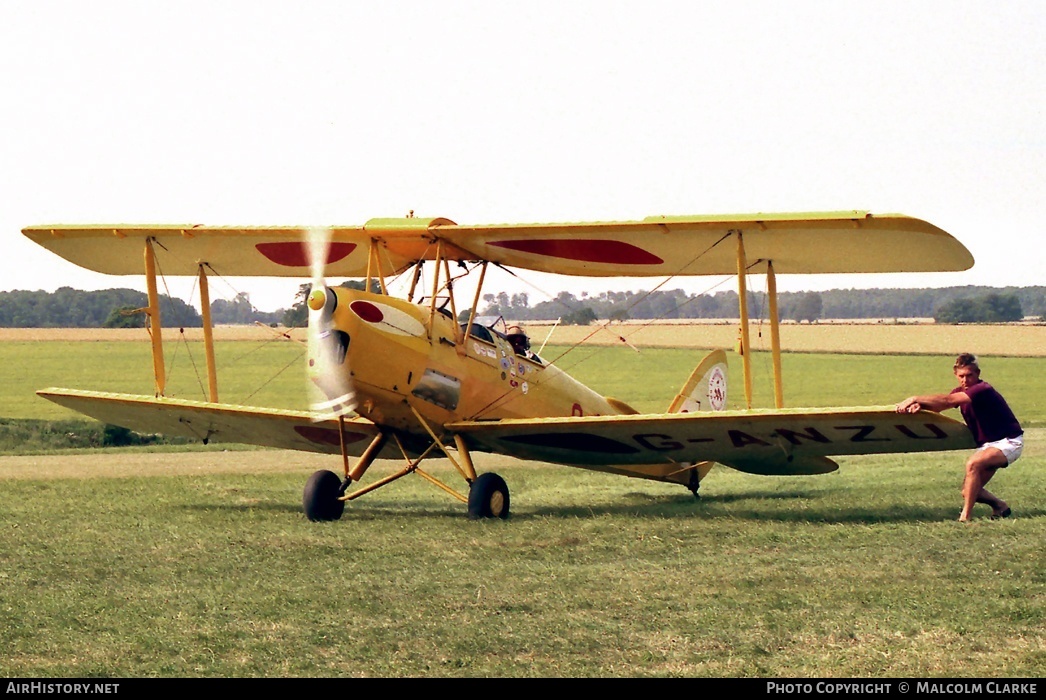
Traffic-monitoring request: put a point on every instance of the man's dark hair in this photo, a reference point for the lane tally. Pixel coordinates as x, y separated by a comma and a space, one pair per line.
967, 359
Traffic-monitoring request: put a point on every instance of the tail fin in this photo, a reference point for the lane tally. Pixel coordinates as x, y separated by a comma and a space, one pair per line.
704, 391
706, 388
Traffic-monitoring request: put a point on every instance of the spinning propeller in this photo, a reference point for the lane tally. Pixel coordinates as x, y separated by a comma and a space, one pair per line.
331, 387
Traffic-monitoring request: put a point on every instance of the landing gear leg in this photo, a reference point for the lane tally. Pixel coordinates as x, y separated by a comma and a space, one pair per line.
324, 496
488, 493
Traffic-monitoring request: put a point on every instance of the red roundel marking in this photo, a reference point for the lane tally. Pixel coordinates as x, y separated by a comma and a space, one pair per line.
367, 311
584, 250
325, 436
295, 254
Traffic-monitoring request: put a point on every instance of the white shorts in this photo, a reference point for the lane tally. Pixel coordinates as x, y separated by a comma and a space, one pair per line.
1010, 447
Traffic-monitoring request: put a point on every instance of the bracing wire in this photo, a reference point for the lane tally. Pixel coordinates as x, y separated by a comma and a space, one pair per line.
499, 400
645, 295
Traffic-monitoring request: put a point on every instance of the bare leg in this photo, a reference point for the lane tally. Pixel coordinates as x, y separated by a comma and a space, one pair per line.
980, 468
997, 504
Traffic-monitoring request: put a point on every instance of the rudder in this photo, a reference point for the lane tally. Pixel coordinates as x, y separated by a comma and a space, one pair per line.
705, 390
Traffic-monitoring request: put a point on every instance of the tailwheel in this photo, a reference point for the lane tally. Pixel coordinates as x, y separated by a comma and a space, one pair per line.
320, 499
488, 497
694, 484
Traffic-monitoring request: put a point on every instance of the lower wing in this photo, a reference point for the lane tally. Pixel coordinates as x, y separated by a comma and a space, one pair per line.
783, 441
216, 422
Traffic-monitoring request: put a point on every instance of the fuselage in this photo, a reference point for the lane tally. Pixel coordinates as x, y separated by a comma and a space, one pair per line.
402, 356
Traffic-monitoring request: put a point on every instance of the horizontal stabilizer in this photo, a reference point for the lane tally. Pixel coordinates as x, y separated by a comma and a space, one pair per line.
786, 466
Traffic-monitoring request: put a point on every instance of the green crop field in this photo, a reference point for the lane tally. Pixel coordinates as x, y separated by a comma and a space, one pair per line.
272, 374
268, 373
132, 562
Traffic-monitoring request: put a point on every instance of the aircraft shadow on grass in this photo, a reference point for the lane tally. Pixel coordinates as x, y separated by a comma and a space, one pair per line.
738, 506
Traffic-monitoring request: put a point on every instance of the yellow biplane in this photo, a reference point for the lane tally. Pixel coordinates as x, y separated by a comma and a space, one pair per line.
403, 377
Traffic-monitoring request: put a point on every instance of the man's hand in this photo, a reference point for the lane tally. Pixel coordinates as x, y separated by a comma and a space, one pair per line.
909, 405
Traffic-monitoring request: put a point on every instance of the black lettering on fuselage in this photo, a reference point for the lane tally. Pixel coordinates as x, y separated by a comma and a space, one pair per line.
862, 433
665, 442
741, 438
793, 436
936, 430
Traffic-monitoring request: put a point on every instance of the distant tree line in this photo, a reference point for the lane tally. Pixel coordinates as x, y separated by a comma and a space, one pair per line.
947, 305
240, 311
118, 308
989, 308
71, 308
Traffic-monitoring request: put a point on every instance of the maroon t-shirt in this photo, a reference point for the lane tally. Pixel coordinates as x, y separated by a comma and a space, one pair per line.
987, 415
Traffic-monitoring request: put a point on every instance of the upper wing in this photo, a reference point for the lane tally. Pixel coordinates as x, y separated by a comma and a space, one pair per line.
213, 422
787, 441
657, 246
270, 251
707, 245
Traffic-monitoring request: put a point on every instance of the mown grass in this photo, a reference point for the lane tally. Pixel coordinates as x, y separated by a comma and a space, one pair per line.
862, 573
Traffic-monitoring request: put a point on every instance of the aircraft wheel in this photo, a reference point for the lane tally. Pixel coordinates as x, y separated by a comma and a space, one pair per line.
320, 499
488, 497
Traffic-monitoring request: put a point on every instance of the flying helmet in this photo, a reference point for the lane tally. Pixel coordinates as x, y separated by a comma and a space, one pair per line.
518, 337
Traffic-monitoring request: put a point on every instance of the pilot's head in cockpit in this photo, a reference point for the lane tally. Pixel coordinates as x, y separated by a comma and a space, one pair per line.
519, 340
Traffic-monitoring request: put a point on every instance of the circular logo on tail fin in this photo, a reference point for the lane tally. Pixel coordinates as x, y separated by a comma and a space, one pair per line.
717, 389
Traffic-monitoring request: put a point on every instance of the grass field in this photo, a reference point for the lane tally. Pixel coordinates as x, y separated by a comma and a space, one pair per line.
202, 565
134, 563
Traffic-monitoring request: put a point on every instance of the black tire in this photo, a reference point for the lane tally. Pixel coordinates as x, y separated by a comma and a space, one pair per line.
320, 500
488, 497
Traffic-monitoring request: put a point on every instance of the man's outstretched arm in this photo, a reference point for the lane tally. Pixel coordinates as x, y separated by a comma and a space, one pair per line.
933, 402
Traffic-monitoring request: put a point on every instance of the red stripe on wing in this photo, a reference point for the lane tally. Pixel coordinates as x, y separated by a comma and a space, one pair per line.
295, 254
584, 250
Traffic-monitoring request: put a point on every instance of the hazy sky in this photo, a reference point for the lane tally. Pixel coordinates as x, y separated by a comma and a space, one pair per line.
337, 112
